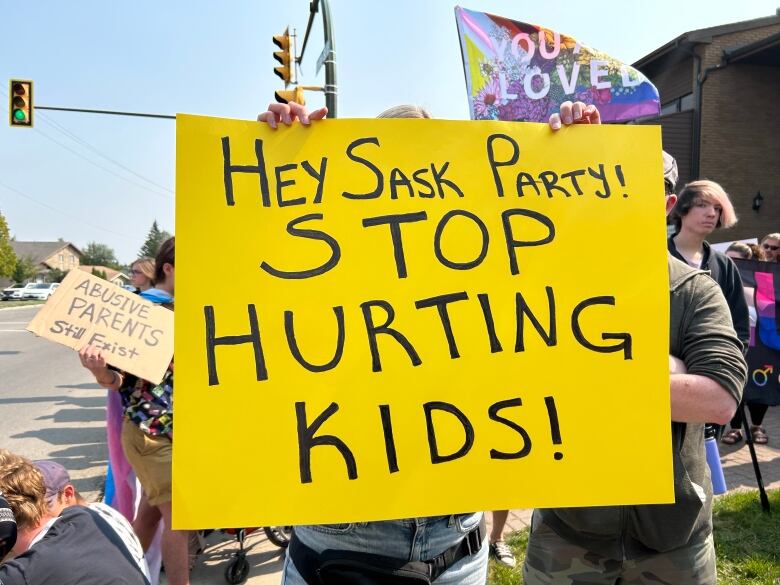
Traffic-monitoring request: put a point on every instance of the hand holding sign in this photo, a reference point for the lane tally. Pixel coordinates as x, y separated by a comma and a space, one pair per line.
570, 113
92, 359
127, 331
575, 113
288, 112
383, 335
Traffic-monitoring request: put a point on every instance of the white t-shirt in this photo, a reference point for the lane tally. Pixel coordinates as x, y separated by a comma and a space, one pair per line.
123, 529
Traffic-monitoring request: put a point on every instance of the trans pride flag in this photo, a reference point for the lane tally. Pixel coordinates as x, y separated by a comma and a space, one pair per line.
519, 71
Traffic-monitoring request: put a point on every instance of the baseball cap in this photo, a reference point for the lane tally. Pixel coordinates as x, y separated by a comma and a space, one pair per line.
55, 478
670, 172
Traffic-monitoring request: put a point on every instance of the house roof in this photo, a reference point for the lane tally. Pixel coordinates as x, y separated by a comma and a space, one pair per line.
763, 52
111, 273
705, 35
40, 251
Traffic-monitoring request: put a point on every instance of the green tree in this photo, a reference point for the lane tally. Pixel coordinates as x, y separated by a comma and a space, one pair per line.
96, 254
153, 241
24, 269
7, 255
100, 273
56, 275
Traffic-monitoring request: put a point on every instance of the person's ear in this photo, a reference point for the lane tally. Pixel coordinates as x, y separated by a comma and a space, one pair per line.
69, 495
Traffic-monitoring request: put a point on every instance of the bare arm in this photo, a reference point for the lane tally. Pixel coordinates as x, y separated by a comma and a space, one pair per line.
92, 359
707, 379
699, 399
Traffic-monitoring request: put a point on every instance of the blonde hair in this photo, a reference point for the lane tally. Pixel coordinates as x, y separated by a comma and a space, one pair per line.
405, 111
8, 458
23, 486
708, 191
145, 266
774, 236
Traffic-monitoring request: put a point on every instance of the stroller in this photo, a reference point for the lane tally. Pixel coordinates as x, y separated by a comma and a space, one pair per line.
237, 570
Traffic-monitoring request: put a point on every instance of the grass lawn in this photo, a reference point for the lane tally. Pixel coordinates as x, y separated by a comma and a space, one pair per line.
9, 304
747, 542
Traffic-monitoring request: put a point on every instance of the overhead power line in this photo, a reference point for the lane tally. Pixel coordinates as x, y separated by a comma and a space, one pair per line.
65, 213
104, 168
167, 193
62, 129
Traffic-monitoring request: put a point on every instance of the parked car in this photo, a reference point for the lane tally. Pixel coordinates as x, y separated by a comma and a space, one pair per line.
15, 292
9, 290
41, 291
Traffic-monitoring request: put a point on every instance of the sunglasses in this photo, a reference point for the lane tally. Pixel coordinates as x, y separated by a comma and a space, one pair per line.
770, 247
136, 272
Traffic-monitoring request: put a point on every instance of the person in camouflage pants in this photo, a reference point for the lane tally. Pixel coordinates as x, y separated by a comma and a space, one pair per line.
667, 544
574, 565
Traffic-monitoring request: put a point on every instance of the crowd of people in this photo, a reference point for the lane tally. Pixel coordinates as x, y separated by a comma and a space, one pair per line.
767, 250
50, 535
59, 538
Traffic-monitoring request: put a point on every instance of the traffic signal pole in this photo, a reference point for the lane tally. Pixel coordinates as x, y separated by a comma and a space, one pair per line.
111, 112
330, 61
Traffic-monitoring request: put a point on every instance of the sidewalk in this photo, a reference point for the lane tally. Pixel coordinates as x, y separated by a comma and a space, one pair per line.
266, 560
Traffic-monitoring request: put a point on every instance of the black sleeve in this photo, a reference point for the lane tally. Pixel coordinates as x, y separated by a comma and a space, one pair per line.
12, 573
709, 346
735, 297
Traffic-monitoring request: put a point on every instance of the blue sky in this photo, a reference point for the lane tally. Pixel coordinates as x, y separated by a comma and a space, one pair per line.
61, 179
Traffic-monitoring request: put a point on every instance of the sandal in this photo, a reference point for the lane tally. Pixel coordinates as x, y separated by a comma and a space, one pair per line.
759, 435
731, 437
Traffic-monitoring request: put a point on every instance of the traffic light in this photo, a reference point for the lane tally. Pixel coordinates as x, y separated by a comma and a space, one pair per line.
20, 106
285, 70
284, 96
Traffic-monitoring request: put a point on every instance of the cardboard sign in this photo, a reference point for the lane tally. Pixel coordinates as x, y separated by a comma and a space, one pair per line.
520, 71
417, 317
135, 335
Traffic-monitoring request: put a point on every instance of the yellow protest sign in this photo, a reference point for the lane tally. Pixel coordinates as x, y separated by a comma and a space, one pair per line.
135, 335
392, 318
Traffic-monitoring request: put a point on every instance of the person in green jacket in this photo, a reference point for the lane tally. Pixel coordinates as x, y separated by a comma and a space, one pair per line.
664, 543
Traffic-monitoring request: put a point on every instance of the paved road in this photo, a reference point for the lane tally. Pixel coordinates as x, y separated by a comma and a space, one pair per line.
50, 407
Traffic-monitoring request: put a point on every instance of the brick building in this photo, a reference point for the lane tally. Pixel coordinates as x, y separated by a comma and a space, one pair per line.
719, 89
46, 256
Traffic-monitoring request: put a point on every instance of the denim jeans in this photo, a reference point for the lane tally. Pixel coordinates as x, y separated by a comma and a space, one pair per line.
413, 539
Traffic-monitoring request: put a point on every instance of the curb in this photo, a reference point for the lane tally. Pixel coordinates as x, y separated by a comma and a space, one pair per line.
21, 307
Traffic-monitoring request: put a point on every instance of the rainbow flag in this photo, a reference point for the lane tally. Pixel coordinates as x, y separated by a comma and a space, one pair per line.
523, 72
